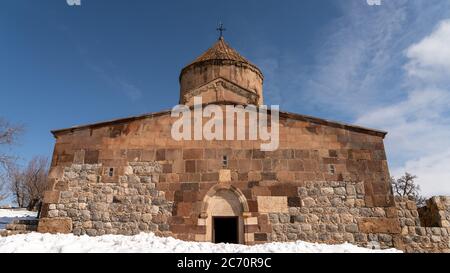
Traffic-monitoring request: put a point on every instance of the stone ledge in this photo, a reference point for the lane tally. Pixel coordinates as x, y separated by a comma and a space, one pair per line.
55, 225
379, 225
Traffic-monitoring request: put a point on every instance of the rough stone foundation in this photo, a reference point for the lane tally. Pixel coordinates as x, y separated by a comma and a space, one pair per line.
335, 212
416, 237
95, 208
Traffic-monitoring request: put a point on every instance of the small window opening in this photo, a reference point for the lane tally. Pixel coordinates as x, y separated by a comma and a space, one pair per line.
331, 169
111, 172
225, 161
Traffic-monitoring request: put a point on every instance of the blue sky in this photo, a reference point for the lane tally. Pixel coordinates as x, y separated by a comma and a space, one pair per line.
384, 66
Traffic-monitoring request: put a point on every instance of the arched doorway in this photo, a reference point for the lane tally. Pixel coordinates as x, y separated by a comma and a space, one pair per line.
223, 210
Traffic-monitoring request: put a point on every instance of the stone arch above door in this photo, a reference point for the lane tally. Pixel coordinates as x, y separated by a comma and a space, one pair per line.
219, 190
224, 201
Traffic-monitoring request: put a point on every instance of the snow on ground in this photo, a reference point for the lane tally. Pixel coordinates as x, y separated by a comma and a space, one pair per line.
9, 215
148, 242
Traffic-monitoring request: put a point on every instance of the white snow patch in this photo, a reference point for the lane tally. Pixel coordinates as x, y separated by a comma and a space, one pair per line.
9, 215
149, 243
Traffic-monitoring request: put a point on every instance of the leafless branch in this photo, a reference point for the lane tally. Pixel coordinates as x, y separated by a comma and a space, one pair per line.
3, 189
8, 136
8, 132
406, 186
28, 184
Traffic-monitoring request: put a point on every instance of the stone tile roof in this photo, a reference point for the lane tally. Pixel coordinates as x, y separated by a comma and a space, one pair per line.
221, 51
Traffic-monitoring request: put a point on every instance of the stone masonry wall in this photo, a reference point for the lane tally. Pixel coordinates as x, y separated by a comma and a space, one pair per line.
436, 213
335, 212
95, 207
96, 186
417, 238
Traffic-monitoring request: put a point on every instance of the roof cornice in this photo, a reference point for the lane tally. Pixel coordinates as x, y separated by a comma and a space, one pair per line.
294, 116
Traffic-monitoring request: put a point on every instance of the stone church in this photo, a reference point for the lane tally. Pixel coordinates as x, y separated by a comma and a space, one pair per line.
327, 181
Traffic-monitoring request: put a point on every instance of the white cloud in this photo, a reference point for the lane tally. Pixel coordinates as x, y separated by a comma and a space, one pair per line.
433, 172
430, 58
360, 47
419, 137
419, 125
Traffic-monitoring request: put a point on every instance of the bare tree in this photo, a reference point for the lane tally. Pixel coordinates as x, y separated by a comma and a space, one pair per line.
36, 180
8, 136
15, 186
406, 186
28, 184
3, 188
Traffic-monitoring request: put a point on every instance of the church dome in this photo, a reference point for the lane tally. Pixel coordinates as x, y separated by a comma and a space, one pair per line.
222, 62
221, 51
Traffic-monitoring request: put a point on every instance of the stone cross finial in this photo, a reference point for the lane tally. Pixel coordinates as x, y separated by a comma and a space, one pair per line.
221, 29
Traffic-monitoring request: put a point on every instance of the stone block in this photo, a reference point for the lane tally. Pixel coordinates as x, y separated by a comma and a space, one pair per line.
79, 157
411, 205
294, 202
260, 191
167, 168
224, 175
327, 190
190, 166
295, 165
359, 187
340, 191
210, 177
51, 197
261, 237
192, 153
91, 157
272, 204
210, 154
160, 154
353, 228
251, 221
201, 221
346, 218
134, 155
285, 176
350, 189
173, 154
391, 212
127, 170
148, 155
308, 202
379, 225
269, 176
200, 237
249, 237
55, 225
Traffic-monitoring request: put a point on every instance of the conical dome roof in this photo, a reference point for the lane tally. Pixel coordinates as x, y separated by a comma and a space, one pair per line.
221, 51
221, 74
